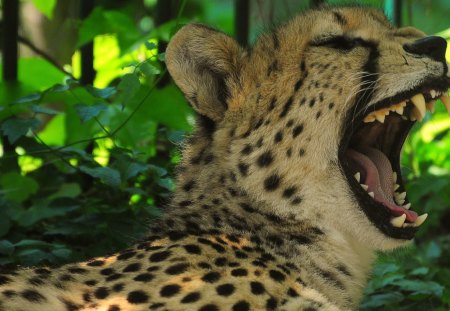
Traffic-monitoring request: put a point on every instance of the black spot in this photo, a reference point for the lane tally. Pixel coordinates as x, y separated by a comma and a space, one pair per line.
297, 130
278, 137
289, 152
107, 271
259, 143
218, 248
65, 278
133, 267
177, 269
241, 306
340, 18
265, 159
192, 297
318, 114
302, 65
225, 289
277, 275
273, 101
243, 168
216, 201
239, 272
221, 261
276, 42
272, 182
157, 305
209, 307
101, 293
286, 107
91, 282
192, 249
9, 293
137, 297
114, 308
292, 292
271, 304
96, 263
211, 277
160, 256
77, 270
170, 290
330, 106
298, 84
331, 278
189, 185
126, 255
185, 203
118, 287
258, 124
144, 277
247, 149
257, 288
301, 239
240, 254
33, 296
312, 102
344, 270
288, 192
36, 281
70, 306
114, 277
301, 152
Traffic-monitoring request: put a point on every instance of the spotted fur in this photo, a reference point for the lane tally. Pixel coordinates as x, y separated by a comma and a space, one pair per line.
263, 218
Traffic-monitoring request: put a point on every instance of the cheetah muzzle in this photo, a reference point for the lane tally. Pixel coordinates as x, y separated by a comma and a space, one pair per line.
370, 154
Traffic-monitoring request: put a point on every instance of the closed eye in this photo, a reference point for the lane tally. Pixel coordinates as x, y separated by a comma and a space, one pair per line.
339, 42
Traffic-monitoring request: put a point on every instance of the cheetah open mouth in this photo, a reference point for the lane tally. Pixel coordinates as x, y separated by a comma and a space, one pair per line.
370, 156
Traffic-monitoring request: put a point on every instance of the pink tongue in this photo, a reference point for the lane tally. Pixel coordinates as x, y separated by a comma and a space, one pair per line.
376, 168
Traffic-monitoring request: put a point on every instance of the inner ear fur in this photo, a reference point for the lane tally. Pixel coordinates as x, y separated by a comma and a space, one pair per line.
203, 62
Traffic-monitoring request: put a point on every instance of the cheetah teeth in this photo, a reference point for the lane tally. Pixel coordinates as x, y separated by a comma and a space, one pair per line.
418, 107
399, 197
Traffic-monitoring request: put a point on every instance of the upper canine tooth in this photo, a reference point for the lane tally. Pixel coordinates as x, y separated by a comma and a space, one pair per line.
446, 101
372, 194
358, 176
433, 93
420, 219
416, 114
419, 101
398, 221
430, 105
400, 196
365, 187
394, 176
369, 118
407, 206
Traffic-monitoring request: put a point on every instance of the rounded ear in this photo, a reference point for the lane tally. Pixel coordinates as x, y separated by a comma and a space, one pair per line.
202, 62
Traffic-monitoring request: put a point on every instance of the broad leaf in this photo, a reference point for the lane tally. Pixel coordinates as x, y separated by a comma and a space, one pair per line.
86, 113
106, 174
15, 128
16, 187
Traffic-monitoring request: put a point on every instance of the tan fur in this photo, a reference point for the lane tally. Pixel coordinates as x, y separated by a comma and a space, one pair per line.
302, 236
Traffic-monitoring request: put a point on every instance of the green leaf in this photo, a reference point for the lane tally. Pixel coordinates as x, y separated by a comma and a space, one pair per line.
104, 93
375, 301
6, 247
29, 98
69, 190
149, 69
128, 86
106, 174
44, 110
136, 168
63, 253
31, 243
166, 183
41, 211
46, 7
15, 128
5, 223
420, 287
86, 113
16, 187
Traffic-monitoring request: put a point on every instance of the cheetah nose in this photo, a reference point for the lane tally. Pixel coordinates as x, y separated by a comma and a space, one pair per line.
432, 46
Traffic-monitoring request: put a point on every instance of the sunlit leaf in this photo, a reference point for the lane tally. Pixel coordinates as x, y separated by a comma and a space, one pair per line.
46, 7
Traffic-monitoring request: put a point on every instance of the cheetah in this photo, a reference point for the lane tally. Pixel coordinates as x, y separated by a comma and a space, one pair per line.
290, 182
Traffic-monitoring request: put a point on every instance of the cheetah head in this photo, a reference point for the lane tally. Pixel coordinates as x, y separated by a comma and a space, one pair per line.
311, 120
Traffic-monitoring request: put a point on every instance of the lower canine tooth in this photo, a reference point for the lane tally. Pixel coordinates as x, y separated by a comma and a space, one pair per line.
407, 206
396, 186
430, 105
372, 194
365, 187
420, 219
446, 101
400, 196
399, 221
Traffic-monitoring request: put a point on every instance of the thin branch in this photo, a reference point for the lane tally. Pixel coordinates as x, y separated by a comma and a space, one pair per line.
44, 55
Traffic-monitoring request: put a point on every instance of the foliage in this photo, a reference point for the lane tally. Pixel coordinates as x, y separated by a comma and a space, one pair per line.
85, 168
